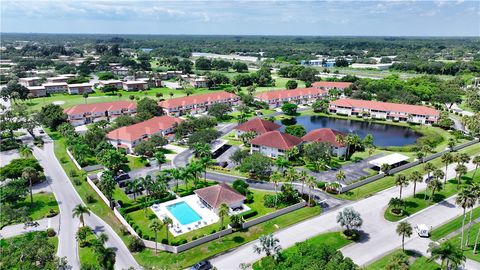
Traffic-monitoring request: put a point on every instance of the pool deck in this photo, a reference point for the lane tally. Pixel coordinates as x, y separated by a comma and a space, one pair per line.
207, 215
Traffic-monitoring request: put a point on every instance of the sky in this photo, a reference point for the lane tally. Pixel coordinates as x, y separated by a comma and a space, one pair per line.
244, 17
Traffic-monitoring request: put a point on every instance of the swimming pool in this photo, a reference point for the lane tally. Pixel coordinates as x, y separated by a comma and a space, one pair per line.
183, 213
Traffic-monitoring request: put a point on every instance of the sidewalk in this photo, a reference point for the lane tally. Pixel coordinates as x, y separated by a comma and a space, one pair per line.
18, 229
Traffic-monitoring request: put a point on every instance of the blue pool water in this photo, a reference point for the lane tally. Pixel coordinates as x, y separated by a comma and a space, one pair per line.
184, 213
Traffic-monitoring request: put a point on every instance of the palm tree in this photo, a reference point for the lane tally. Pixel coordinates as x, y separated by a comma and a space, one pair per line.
426, 149
160, 157
106, 257
476, 162
396, 204
310, 181
340, 176
30, 174
474, 191
223, 212
460, 171
167, 222
269, 245
447, 158
429, 168
420, 156
398, 261
155, 226
25, 151
282, 163
206, 161
465, 200
134, 186
404, 229
201, 149
107, 185
302, 176
276, 178
341, 139
401, 181
176, 175
415, 177
434, 185
78, 211
450, 255
385, 168
291, 174
462, 158
451, 143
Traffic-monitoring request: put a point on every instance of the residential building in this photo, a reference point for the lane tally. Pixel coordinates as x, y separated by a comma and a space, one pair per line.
296, 96
117, 83
89, 113
327, 135
128, 137
59, 79
37, 91
214, 196
172, 85
134, 85
79, 88
30, 81
197, 103
274, 143
331, 85
385, 110
55, 87
257, 125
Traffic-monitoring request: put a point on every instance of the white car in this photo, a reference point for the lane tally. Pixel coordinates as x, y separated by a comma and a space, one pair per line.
422, 230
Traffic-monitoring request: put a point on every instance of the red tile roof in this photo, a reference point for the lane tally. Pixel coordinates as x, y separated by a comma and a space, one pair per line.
149, 127
279, 94
100, 107
385, 106
218, 194
277, 139
339, 85
196, 99
324, 135
258, 125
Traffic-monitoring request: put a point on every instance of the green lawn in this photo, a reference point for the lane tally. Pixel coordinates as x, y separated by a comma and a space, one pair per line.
87, 254
452, 225
257, 203
420, 263
204, 251
423, 199
136, 162
331, 239
468, 250
43, 203
387, 182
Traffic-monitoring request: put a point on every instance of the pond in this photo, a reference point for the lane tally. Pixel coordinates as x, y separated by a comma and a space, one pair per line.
383, 134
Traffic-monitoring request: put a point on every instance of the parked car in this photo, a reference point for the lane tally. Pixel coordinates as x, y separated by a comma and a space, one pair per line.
203, 265
120, 177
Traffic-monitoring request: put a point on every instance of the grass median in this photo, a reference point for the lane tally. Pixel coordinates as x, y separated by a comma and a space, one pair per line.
416, 263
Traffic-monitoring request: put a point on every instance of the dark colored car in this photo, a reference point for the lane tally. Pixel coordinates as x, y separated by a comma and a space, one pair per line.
123, 176
203, 265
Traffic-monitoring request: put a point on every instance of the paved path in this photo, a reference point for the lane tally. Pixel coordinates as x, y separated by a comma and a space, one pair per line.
7, 156
18, 229
68, 198
379, 236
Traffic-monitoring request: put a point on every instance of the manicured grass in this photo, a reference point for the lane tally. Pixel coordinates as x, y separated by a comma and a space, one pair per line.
468, 250
453, 225
335, 240
257, 203
423, 200
136, 162
29, 237
42, 204
387, 182
420, 263
87, 254
194, 255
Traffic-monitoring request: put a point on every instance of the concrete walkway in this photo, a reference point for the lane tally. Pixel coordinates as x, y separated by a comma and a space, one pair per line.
18, 229
379, 236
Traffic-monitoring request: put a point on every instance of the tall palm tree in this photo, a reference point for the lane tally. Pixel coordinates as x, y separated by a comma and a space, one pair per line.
276, 178
160, 157
385, 168
291, 174
206, 161
462, 158
310, 181
434, 185
155, 226
167, 222
107, 185
223, 212
474, 191
282, 163
106, 257
302, 176
449, 255
30, 174
476, 162
401, 181
426, 149
465, 200
404, 229
340, 176
269, 245
341, 139
415, 177
176, 175
134, 186
78, 211
25, 151
429, 168
460, 171
201, 149
85, 96
447, 158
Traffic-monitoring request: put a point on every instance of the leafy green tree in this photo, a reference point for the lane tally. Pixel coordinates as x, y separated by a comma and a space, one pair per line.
291, 84
350, 219
219, 110
147, 108
296, 130
14, 90
449, 255
107, 185
257, 165
112, 159
52, 116
223, 212
289, 108
320, 105
205, 136
203, 63
398, 261
13, 191
240, 66
160, 158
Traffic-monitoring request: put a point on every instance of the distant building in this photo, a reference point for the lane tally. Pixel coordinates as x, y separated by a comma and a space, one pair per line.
197, 103
79, 88
296, 96
331, 85
257, 125
30, 81
128, 137
89, 113
59, 79
37, 91
134, 85
118, 84
385, 110
329, 136
371, 66
172, 85
274, 143
58, 87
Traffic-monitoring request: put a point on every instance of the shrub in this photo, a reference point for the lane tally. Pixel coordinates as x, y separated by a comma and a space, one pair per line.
164, 241
135, 244
240, 186
15, 167
123, 230
213, 231
269, 200
249, 198
321, 184
90, 198
77, 181
250, 213
51, 232
194, 238
72, 173
51, 213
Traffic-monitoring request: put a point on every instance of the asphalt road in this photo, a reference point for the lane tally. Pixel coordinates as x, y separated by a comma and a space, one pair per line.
68, 198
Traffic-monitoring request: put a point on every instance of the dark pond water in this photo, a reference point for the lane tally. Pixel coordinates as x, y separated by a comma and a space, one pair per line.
383, 134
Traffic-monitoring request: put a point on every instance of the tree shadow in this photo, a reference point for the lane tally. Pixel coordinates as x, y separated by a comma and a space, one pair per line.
363, 237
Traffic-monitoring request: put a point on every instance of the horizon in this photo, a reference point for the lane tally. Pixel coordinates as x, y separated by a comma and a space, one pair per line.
392, 18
